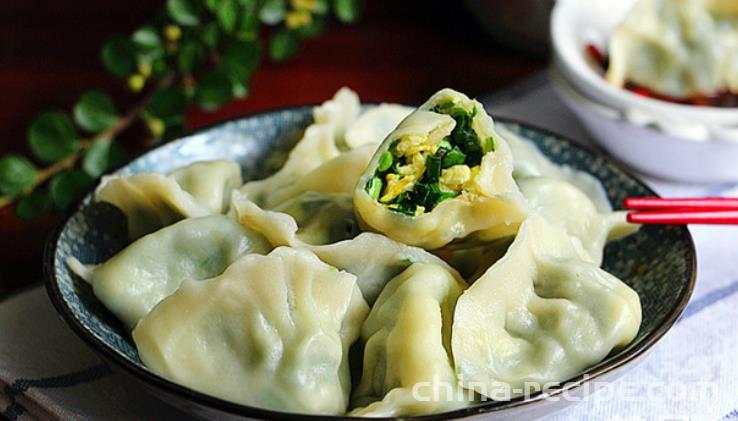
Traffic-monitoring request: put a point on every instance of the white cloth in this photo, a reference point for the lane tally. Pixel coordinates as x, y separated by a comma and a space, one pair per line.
47, 372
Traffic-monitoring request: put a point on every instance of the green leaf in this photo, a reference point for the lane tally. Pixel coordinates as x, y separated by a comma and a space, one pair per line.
118, 54
211, 35
347, 11
66, 186
248, 27
227, 13
272, 12
212, 5
159, 67
16, 174
168, 101
190, 54
283, 45
147, 38
100, 156
52, 136
95, 111
214, 90
241, 59
316, 27
321, 7
184, 12
33, 206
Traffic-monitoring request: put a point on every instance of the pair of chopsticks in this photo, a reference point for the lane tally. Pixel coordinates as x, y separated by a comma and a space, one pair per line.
707, 210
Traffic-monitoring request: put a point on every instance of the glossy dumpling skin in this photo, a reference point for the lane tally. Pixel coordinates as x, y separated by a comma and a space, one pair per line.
487, 204
540, 314
133, 281
151, 201
675, 48
407, 343
210, 182
373, 258
321, 218
335, 176
272, 331
564, 204
374, 124
320, 143
529, 161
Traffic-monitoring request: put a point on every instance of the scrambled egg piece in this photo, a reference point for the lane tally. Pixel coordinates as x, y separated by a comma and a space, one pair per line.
411, 145
396, 185
455, 178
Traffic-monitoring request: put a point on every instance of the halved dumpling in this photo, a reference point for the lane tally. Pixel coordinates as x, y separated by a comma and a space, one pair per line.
441, 175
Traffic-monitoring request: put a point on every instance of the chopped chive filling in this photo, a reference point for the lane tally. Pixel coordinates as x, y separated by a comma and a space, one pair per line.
374, 187
490, 144
413, 186
385, 161
453, 157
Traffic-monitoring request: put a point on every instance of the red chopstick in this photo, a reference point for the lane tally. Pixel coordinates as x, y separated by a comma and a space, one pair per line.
707, 210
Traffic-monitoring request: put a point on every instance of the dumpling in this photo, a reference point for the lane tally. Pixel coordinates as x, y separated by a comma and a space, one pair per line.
541, 314
373, 258
210, 182
442, 174
675, 48
529, 161
319, 144
375, 124
566, 205
133, 281
338, 175
408, 368
151, 201
272, 331
322, 218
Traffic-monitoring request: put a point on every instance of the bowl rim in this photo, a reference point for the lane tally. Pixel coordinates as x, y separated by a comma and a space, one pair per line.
170, 388
561, 16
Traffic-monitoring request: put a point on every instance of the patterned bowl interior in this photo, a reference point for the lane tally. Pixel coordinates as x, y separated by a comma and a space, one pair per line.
657, 261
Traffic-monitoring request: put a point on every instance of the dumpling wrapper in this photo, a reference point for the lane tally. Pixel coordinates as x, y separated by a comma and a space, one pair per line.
151, 201
540, 315
495, 211
319, 144
150, 269
407, 367
375, 124
564, 204
335, 176
373, 258
272, 331
529, 161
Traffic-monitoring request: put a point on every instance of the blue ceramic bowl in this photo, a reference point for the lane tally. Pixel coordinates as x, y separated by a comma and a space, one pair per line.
658, 261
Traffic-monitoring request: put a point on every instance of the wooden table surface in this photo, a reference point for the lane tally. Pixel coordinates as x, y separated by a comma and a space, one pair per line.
49, 55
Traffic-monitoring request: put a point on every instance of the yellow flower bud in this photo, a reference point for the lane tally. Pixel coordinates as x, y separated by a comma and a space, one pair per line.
136, 82
156, 126
298, 19
172, 32
311, 5
144, 69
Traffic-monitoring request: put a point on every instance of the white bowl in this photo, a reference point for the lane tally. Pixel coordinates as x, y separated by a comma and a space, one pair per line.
646, 149
576, 23
682, 142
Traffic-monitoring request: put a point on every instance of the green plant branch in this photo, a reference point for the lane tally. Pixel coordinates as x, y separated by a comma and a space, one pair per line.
198, 52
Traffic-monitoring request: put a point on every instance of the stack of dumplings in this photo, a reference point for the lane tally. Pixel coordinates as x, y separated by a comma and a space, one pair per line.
402, 262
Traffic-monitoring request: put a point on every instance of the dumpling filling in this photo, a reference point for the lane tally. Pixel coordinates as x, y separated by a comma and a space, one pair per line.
417, 172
